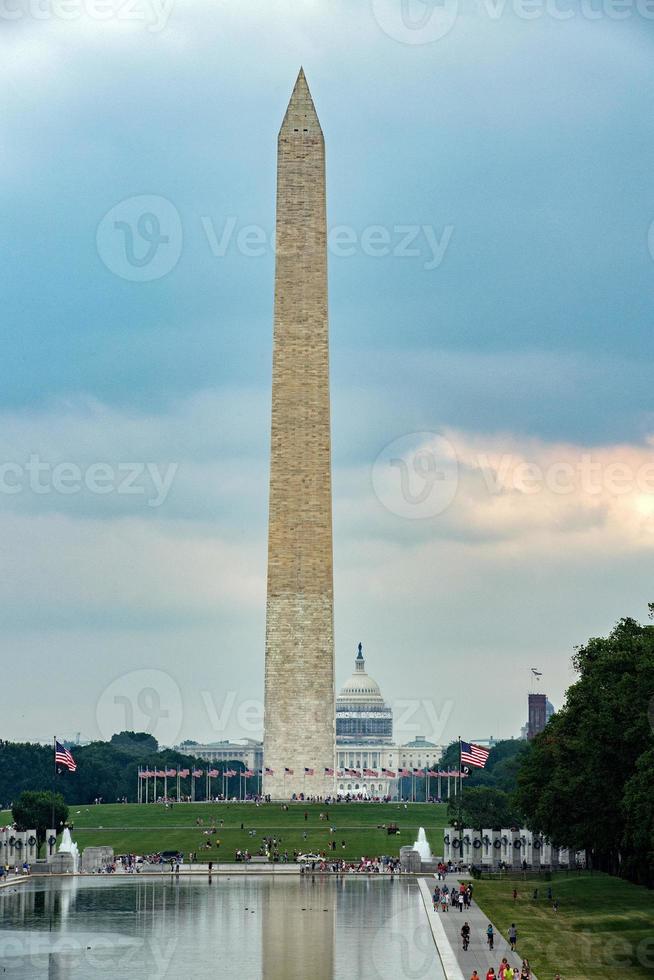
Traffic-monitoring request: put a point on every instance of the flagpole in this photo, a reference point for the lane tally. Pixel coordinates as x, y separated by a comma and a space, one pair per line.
54, 779
460, 789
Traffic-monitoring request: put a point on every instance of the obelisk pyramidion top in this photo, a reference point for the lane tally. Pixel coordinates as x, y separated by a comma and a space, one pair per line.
299, 712
301, 115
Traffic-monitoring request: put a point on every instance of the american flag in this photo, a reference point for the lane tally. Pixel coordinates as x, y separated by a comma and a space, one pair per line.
370, 772
329, 772
388, 772
213, 773
197, 773
308, 772
404, 772
171, 772
474, 755
268, 771
183, 773
64, 757
229, 772
287, 771
418, 772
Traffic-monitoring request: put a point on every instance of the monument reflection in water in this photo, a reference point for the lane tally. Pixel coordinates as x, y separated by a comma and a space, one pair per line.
243, 927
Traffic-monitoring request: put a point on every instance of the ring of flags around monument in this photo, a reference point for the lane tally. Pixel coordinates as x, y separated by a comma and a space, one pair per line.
470, 754
403, 773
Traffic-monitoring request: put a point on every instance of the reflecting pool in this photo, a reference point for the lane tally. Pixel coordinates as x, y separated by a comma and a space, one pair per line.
277, 928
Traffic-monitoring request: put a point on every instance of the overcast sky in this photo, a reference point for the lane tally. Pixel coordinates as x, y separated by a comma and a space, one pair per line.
490, 196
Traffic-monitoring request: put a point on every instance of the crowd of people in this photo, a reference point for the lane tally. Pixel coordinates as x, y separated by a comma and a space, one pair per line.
445, 898
507, 972
365, 865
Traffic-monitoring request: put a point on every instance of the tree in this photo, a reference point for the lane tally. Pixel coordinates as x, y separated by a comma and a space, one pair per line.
483, 807
33, 810
501, 768
136, 742
576, 777
638, 814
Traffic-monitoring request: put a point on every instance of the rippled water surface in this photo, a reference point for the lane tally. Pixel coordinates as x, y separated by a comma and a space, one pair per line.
282, 928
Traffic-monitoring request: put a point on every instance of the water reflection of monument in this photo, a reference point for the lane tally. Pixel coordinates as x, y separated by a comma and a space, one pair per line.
297, 929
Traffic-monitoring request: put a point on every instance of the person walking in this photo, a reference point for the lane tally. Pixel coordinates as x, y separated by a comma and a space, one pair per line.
465, 936
490, 935
491, 975
513, 937
445, 899
460, 901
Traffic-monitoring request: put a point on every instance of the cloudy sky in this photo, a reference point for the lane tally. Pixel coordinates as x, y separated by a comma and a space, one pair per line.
490, 199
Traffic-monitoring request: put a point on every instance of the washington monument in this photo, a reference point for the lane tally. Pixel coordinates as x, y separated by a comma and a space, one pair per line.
299, 726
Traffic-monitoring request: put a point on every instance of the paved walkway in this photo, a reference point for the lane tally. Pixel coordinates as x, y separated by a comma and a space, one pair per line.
477, 957
13, 880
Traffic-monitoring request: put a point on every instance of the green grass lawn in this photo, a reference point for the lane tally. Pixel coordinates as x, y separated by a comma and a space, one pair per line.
604, 927
151, 827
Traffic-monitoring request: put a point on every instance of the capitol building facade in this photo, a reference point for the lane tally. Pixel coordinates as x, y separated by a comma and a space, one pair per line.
368, 762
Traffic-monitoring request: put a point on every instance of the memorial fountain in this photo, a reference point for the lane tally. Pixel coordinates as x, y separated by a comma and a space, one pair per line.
67, 858
422, 846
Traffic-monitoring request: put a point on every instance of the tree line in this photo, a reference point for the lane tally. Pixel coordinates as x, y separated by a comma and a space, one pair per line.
587, 781
104, 769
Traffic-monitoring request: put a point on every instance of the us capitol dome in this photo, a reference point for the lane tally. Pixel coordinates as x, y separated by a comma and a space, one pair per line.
362, 715
366, 758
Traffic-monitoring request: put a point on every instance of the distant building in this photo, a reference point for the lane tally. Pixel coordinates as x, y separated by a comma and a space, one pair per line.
362, 715
246, 750
540, 711
366, 755
365, 752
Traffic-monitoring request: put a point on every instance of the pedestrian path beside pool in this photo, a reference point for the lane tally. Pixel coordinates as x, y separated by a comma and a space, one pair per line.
477, 957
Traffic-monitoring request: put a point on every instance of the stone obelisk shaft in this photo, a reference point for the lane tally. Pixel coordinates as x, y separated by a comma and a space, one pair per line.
299, 727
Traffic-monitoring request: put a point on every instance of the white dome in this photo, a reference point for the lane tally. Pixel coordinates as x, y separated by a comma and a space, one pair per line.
360, 687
